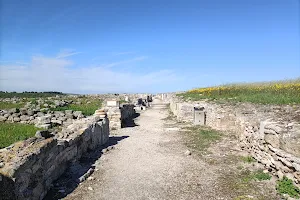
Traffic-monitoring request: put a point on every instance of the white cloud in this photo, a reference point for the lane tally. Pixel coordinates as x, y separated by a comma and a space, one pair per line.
57, 74
66, 53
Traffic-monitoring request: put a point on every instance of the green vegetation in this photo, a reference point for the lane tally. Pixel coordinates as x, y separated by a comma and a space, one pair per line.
286, 186
247, 159
13, 132
87, 106
257, 175
243, 182
29, 94
9, 105
200, 137
279, 92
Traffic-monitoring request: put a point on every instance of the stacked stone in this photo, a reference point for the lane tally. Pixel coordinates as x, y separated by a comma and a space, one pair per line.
28, 168
270, 134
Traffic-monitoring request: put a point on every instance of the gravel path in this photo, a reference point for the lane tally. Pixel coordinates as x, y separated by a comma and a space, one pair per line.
149, 161
149, 164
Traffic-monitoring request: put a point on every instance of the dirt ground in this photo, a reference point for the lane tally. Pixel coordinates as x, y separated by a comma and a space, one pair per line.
150, 161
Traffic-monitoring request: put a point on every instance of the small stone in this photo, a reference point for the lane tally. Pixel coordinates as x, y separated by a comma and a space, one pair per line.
188, 153
2, 164
90, 188
280, 174
90, 178
104, 150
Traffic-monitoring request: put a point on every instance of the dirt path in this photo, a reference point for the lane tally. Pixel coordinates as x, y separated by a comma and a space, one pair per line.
151, 164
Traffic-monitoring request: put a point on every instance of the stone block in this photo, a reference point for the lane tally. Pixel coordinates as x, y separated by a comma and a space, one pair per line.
199, 116
113, 103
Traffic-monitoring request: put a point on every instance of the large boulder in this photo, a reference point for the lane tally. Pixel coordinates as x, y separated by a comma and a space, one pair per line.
16, 119
2, 118
24, 117
13, 110
23, 111
77, 113
30, 112
44, 120
59, 114
40, 114
68, 112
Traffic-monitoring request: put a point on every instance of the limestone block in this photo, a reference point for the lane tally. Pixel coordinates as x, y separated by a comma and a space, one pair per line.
272, 140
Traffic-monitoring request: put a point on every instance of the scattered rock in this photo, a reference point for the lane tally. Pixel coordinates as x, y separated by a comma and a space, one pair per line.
188, 153
90, 188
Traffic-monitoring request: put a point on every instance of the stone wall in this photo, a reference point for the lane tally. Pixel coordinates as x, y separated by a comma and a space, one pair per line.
28, 168
118, 115
271, 134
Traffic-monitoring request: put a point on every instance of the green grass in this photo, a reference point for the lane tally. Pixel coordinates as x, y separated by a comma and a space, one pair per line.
8, 105
13, 132
277, 92
286, 186
28, 94
247, 159
200, 138
86, 108
257, 175
242, 183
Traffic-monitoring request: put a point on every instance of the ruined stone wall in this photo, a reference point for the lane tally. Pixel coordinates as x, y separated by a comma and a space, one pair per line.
271, 134
28, 168
120, 114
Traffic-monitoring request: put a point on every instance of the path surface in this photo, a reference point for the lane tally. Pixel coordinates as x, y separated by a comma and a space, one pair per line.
151, 164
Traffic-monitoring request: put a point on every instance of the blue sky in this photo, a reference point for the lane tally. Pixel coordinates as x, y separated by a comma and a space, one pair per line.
99, 46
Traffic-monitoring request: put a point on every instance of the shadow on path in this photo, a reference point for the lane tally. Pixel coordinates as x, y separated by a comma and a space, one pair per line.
79, 171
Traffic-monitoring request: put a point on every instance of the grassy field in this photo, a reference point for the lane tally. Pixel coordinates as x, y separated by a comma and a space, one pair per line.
9, 105
87, 106
28, 94
13, 132
279, 92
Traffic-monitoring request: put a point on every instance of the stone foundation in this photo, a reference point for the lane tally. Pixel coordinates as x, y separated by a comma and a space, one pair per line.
271, 134
29, 167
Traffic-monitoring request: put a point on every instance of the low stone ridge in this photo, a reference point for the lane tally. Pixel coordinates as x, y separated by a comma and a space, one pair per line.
28, 168
270, 134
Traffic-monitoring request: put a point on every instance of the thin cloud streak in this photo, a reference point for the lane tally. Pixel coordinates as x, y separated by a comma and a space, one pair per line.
66, 53
124, 62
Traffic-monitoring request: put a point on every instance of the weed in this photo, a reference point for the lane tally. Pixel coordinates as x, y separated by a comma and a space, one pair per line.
286, 186
247, 159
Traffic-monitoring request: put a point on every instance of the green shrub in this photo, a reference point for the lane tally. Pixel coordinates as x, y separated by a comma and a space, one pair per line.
286, 186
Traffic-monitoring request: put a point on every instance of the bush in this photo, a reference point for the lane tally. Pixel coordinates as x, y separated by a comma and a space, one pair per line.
286, 186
